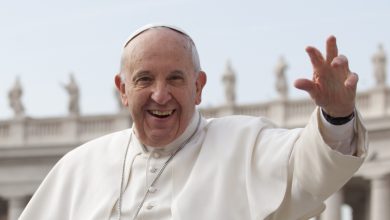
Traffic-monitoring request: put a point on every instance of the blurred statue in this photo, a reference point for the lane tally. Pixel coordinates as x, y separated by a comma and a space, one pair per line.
15, 98
229, 81
281, 81
379, 61
74, 95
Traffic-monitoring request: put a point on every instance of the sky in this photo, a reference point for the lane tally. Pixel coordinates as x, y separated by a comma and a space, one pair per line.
42, 42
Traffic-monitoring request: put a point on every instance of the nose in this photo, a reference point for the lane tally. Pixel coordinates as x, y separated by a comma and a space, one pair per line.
161, 94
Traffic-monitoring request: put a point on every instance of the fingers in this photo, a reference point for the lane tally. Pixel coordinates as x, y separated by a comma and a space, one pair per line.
351, 81
340, 63
316, 57
304, 84
331, 49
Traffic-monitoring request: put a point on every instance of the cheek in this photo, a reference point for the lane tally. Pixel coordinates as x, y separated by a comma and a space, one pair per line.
136, 100
188, 99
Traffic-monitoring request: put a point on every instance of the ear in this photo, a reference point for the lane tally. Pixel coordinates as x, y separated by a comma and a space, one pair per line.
200, 83
121, 87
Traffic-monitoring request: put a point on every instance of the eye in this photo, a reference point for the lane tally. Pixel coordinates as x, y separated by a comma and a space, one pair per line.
176, 77
142, 80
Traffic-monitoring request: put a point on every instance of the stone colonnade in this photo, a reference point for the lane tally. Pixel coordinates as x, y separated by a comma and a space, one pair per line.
379, 202
16, 205
380, 198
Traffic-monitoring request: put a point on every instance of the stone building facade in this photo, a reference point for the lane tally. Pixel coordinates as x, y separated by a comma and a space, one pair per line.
29, 147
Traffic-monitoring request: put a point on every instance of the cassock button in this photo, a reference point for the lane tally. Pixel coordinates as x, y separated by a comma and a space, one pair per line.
150, 206
152, 169
156, 155
152, 189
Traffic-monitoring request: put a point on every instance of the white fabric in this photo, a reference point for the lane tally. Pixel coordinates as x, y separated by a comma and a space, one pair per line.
235, 167
146, 166
147, 163
339, 137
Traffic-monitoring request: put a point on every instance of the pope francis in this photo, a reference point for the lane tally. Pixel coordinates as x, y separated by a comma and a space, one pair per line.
174, 164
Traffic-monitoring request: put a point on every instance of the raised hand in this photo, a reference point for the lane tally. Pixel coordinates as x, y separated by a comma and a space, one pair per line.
333, 86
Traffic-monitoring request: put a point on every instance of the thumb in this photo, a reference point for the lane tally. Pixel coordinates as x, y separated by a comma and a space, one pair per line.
304, 84
351, 81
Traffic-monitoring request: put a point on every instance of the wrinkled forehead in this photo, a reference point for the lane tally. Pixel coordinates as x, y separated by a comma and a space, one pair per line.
151, 26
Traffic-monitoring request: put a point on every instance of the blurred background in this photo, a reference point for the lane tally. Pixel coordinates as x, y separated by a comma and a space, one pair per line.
43, 41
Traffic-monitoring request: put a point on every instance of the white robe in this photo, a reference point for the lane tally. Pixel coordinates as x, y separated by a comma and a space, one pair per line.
236, 167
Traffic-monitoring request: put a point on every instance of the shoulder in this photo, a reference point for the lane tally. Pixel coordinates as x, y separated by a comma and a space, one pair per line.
72, 181
240, 122
253, 132
237, 130
100, 149
92, 161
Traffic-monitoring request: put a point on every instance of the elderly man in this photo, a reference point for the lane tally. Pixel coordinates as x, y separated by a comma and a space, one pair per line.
174, 164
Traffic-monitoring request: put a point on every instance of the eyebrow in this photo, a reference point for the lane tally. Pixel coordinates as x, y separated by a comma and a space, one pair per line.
140, 74
179, 72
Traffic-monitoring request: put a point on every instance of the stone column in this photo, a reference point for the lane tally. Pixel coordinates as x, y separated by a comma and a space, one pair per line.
278, 111
380, 198
377, 101
17, 133
333, 206
16, 206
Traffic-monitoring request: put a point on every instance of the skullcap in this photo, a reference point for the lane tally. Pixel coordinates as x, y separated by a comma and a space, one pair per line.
149, 26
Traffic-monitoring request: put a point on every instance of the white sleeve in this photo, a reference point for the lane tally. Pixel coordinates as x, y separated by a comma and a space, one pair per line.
339, 137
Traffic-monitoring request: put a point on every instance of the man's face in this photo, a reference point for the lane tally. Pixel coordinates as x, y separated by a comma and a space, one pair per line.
161, 86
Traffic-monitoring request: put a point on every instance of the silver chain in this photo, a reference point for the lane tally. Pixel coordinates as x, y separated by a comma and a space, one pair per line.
122, 177
155, 179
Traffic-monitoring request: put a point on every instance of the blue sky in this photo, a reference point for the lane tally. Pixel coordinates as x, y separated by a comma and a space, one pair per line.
43, 41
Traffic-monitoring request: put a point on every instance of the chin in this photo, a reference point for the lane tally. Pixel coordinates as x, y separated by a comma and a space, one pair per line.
161, 139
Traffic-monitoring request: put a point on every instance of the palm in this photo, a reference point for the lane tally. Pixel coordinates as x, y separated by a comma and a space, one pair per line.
333, 86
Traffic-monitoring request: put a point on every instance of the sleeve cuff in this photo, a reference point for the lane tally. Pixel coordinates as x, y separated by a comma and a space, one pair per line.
338, 137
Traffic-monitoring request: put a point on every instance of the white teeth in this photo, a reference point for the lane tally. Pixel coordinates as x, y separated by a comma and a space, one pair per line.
162, 113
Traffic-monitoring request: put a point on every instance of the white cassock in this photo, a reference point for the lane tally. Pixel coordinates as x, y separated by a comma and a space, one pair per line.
234, 168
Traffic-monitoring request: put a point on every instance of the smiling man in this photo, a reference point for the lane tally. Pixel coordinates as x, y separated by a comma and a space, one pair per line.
161, 82
174, 164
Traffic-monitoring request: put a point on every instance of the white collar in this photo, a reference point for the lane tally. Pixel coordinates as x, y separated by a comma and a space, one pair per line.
171, 147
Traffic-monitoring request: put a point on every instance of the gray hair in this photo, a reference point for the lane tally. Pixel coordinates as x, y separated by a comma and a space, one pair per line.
194, 51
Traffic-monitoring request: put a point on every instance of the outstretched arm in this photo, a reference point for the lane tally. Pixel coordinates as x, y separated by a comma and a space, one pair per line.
322, 161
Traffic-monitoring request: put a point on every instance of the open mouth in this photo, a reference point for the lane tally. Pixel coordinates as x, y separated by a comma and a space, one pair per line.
161, 114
